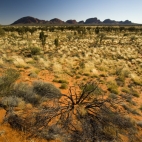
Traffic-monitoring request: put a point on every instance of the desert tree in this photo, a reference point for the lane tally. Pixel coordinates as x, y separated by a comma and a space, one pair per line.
56, 42
2, 32
97, 30
42, 38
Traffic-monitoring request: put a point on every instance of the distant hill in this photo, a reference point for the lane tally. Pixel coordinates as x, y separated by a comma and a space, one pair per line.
71, 22
29, 20
92, 21
95, 20
108, 21
56, 21
81, 22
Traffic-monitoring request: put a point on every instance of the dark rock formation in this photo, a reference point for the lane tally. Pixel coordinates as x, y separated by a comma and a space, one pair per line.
71, 22
56, 21
108, 21
92, 21
81, 22
32, 20
29, 20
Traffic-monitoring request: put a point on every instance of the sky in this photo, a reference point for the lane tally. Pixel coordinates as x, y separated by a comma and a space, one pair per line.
119, 10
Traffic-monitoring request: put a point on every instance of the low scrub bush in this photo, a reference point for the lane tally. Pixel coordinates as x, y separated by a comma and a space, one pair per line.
35, 50
113, 88
7, 80
139, 123
63, 86
26, 92
10, 101
46, 89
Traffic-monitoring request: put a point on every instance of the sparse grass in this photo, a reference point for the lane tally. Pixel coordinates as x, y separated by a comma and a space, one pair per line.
86, 74
77, 77
20, 63
113, 87
7, 80
140, 108
113, 96
139, 123
135, 93
136, 79
125, 89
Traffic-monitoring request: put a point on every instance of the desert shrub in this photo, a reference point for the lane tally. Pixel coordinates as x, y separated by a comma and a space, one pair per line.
63, 86
113, 96
139, 123
7, 80
46, 89
137, 82
50, 133
35, 50
135, 93
123, 122
140, 108
125, 89
16, 122
77, 77
2, 32
86, 74
113, 88
42, 38
10, 101
63, 81
26, 92
133, 38
126, 107
56, 42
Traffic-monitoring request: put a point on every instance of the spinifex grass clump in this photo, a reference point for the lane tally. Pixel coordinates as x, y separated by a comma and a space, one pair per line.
7, 81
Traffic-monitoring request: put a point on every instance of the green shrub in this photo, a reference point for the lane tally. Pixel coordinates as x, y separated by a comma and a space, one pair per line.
113, 96
86, 74
63, 86
2, 32
135, 93
10, 101
46, 89
113, 88
77, 77
7, 80
125, 90
25, 91
63, 81
56, 42
139, 123
140, 108
35, 51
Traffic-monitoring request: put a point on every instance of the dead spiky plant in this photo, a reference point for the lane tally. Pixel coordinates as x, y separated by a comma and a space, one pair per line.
85, 117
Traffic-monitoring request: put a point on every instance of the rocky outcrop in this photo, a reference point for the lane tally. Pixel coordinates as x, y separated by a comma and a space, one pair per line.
29, 20
81, 22
71, 22
92, 21
95, 20
56, 21
108, 21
